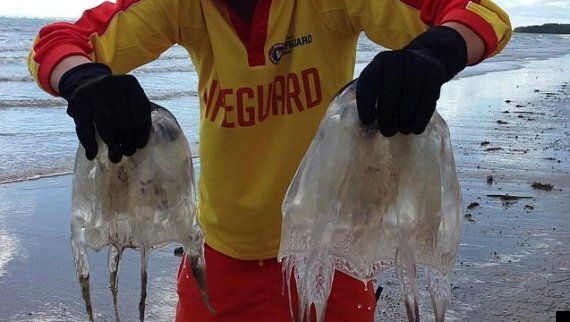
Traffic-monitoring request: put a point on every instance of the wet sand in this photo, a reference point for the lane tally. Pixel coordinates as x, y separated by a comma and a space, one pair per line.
513, 263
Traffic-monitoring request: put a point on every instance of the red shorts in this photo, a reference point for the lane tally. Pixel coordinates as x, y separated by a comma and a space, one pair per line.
253, 291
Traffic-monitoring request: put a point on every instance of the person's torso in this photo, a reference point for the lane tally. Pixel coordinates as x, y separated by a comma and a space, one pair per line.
262, 94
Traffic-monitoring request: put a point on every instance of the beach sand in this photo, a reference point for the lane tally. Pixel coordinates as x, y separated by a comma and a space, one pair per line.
513, 262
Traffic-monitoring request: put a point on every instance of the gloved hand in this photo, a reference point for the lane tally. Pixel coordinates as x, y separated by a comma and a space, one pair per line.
114, 104
400, 88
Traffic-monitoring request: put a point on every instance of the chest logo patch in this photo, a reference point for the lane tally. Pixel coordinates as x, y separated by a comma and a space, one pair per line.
278, 50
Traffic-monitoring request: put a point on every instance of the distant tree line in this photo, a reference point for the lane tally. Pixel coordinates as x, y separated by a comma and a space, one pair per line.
547, 28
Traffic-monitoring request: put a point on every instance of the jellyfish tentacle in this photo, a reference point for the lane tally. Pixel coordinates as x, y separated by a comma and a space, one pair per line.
199, 272
81, 265
114, 260
406, 272
440, 292
144, 277
84, 282
287, 270
194, 253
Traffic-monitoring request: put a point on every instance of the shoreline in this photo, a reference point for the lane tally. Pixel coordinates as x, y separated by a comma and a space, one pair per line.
36, 177
513, 263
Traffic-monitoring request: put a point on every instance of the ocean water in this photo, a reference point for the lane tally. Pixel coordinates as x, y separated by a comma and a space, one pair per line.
37, 138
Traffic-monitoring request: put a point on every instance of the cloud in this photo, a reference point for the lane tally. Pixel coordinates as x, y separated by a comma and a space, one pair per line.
559, 4
43, 8
522, 12
529, 12
532, 3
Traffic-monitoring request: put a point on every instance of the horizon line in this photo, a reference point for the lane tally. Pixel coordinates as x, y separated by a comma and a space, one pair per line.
37, 17
16, 16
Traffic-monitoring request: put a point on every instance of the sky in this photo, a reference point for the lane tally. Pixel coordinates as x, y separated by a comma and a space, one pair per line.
522, 12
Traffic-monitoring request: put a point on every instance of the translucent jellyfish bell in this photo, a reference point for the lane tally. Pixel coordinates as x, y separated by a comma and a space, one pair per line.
361, 201
144, 202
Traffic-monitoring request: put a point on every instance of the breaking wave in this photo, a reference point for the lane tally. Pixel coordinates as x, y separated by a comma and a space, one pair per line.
37, 133
172, 95
15, 49
164, 70
59, 102
27, 177
16, 78
38, 102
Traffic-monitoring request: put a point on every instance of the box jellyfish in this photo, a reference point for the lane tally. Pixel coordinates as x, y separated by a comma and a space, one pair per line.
144, 202
361, 203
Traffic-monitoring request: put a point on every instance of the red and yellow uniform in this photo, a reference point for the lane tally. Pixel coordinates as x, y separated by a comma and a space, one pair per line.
264, 86
263, 89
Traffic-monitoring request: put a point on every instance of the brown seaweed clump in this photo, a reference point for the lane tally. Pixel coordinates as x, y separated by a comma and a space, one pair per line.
542, 186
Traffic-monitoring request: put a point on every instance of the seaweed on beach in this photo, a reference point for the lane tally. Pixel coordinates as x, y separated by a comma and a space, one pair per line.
542, 186
473, 205
507, 197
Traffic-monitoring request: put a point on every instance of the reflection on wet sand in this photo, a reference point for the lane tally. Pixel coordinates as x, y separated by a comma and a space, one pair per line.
8, 248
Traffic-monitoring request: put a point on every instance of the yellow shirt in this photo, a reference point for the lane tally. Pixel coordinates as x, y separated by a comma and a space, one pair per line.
262, 91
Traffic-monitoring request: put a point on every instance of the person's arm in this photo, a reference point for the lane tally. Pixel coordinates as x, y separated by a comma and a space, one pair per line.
84, 62
63, 66
475, 45
432, 41
394, 23
122, 35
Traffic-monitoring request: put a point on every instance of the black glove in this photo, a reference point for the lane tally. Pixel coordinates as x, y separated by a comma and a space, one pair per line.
114, 104
400, 88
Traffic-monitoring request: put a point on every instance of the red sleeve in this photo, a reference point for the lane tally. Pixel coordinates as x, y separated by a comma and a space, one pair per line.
438, 12
60, 40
